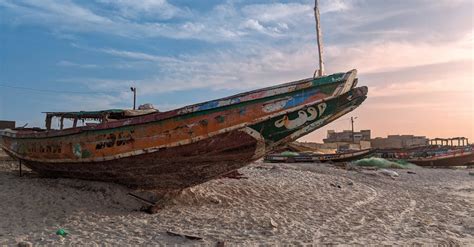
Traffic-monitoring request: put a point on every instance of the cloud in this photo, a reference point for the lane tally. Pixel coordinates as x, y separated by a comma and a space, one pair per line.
263, 66
64, 14
389, 55
158, 18
150, 9
336, 6
65, 63
137, 55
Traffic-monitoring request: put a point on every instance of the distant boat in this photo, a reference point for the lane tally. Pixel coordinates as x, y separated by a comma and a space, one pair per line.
456, 158
305, 157
431, 156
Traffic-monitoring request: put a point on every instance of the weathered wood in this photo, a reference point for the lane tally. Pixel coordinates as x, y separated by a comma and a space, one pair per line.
48, 122
188, 146
183, 235
319, 38
142, 199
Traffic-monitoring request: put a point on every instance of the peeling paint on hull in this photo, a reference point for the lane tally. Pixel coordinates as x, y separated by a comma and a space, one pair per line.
157, 152
167, 169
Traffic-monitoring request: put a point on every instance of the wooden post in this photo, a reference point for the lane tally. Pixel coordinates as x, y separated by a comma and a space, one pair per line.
48, 122
74, 125
62, 123
134, 90
319, 38
134, 98
352, 124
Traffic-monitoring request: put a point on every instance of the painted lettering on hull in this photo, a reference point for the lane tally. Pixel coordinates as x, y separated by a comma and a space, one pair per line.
304, 116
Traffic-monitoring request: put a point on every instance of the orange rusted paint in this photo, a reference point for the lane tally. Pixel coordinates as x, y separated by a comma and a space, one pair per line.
212, 138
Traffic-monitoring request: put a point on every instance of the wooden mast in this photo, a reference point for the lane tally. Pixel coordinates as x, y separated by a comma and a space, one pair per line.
319, 38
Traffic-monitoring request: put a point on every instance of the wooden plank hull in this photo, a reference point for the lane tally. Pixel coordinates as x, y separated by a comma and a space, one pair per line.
188, 147
459, 159
341, 157
168, 169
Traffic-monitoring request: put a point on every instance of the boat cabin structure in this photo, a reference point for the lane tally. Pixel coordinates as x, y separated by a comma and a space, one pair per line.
461, 141
92, 117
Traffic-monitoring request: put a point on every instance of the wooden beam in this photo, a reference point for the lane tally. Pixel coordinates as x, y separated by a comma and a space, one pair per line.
61, 123
74, 125
319, 38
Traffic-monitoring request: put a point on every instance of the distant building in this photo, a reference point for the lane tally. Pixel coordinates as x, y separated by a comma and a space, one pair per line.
344, 141
399, 141
346, 136
7, 124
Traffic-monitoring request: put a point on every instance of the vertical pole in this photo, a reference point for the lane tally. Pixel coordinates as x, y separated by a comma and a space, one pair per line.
319, 38
134, 90
74, 125
62, 122
20, 170
134, 98
352, 124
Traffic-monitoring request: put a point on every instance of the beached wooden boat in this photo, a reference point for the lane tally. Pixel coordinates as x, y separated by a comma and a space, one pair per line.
186, 146
305, 157
456, 158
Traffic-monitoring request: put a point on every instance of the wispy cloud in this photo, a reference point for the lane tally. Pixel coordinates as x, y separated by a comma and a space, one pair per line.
66, 63
137, 55
149, 9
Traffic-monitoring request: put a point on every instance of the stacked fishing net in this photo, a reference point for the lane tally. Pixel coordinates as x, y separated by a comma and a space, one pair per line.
383, 163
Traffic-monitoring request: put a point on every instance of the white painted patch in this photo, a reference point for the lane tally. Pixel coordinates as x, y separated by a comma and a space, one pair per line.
260, 149
275, 106
77, 150
344, 88
303, 116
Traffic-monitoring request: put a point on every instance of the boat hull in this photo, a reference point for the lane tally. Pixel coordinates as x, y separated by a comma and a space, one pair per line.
459, 159
319, 158
168, 169
186, 150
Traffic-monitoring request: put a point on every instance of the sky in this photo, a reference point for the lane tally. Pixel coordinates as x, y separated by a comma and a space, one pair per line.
416, 56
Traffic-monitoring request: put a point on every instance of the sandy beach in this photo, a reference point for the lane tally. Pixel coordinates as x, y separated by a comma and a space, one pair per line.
293, 204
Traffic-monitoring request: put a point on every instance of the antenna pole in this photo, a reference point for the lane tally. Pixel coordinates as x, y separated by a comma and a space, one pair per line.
134, 90
319, 38
352, 124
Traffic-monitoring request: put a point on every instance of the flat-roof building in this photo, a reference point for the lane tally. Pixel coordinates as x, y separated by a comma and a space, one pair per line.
399, 141
7, 124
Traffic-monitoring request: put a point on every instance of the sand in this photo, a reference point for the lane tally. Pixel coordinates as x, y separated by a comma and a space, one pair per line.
293, 204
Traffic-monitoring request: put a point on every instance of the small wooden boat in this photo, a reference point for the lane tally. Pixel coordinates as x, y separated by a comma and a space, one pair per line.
456, 158
187, 146
304, 157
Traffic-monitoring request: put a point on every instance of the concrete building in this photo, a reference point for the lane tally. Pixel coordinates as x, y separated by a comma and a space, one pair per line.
344, 140
399, 141
7, 124
346, 136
